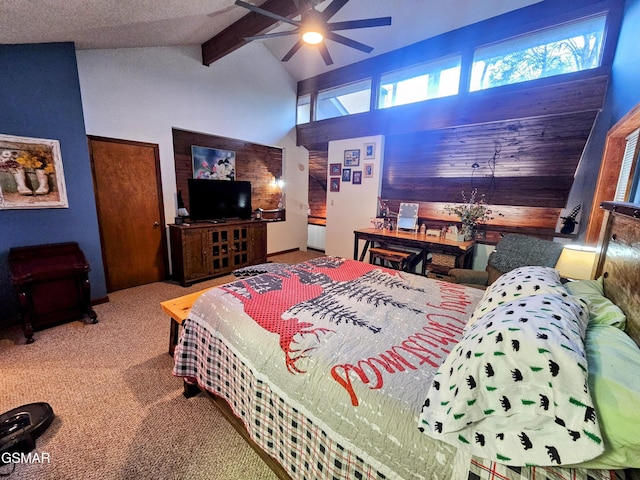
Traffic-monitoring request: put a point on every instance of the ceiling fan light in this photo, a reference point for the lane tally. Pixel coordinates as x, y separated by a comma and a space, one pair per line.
312, 37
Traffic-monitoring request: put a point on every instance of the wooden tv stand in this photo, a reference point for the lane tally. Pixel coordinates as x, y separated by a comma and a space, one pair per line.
200, 251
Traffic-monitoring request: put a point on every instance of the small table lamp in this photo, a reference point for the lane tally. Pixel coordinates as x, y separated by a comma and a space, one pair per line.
182, 211
576, 262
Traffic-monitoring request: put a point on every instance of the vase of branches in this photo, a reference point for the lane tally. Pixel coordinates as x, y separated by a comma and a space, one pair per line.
472, 211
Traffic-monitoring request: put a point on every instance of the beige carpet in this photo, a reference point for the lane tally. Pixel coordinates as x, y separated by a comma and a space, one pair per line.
120, 414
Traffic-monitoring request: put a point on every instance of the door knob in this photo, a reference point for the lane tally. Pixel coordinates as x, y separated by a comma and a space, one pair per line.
156, 224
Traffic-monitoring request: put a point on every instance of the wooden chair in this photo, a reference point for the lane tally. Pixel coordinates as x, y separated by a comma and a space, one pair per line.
397, 259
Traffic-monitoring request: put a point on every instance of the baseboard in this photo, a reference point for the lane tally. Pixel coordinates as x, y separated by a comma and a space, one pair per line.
282, 252
98, 301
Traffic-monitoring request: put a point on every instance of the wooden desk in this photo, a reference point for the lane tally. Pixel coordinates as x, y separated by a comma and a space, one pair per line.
462, 252
178, 310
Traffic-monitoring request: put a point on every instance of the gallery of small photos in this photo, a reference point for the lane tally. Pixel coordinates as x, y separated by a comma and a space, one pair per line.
350, 170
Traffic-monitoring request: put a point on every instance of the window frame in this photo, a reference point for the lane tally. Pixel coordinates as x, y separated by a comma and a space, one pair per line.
428, 68
533, 35
465, 40
346, 87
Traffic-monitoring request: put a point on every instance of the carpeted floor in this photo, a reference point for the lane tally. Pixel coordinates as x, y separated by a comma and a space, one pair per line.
120, 414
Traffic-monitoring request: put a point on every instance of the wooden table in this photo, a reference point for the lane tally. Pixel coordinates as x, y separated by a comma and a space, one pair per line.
178, 310
462, 252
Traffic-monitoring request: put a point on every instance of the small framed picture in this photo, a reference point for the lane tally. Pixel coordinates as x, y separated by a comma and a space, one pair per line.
369, 150
334, 184
352, 158
346, 174
356, 179
335, 169
368, 170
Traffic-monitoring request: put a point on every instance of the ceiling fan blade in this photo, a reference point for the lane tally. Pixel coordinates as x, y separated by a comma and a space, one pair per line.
324, 51
364, 23
333, 8
267, 13
348, 42
272, 35
293, 50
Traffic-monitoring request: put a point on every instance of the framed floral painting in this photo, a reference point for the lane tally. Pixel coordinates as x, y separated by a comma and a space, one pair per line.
31, 174
213, 163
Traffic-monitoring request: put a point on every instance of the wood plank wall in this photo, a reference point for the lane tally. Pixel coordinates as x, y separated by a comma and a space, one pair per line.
318, 165
524, 161
258, 164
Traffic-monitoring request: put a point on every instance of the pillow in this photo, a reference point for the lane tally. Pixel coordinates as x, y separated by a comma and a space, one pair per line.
253, 270
518, 283
601, 309
614, 381
514, 389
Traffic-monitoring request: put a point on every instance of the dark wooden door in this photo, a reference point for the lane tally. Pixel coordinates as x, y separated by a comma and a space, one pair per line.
126, 179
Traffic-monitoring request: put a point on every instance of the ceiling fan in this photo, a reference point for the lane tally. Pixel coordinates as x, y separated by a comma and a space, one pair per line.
314, 27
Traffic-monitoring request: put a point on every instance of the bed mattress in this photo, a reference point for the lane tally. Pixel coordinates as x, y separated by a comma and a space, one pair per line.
328, 362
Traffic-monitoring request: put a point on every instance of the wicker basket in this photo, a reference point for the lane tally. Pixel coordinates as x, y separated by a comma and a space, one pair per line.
444, 260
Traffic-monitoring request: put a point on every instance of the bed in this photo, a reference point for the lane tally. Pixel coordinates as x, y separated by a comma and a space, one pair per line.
330, 368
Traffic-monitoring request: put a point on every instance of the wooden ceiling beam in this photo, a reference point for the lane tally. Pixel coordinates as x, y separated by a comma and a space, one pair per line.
233, 37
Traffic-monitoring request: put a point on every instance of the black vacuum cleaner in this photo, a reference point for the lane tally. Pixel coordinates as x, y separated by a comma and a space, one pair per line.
20, 427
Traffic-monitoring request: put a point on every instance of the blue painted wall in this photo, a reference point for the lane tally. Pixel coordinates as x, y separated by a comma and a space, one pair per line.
625, 75
622, 95
40, 98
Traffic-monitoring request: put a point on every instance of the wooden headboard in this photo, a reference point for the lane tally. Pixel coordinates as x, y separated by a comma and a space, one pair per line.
619, 261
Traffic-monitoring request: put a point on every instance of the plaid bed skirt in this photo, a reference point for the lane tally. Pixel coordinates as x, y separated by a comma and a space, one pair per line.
299, 444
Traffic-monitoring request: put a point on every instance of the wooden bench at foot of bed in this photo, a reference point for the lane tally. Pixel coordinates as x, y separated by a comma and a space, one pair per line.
178, 310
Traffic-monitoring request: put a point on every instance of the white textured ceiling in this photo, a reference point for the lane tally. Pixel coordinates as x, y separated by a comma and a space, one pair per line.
99, 24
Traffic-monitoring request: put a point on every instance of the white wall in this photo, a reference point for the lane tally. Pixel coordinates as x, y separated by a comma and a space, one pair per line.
353, 206
141, 93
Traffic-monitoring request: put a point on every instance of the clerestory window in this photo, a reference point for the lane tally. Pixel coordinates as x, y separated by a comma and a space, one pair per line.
566, 48
344, 100
303, 111
440, 78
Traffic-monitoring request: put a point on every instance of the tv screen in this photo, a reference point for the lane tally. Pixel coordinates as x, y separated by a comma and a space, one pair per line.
219, 199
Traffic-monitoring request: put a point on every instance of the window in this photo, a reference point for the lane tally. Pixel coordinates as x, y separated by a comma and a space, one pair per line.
563, 49
420, 82
303, 113
344, 100
630, 153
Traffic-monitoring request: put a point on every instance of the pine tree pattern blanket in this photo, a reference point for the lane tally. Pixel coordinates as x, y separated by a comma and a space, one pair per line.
328, 363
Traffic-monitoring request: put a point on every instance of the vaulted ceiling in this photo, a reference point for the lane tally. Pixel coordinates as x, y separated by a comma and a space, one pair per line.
99, 24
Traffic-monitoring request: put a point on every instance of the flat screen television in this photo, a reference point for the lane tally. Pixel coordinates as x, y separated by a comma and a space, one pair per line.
215, 200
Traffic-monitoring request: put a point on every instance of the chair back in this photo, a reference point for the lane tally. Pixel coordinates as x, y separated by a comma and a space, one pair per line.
516, 250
